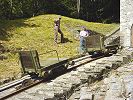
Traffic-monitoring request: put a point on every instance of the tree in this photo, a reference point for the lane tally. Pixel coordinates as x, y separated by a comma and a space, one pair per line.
90, 10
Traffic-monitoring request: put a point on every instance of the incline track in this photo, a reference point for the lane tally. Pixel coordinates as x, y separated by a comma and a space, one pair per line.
13, 88
20, 85
14, 83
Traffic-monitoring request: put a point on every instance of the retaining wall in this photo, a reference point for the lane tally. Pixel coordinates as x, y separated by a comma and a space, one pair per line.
64, 86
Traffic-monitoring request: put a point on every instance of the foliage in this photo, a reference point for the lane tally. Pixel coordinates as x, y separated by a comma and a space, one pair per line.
90, 10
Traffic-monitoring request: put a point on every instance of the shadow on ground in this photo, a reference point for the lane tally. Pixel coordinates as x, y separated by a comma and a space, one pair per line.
7, 25
67, 40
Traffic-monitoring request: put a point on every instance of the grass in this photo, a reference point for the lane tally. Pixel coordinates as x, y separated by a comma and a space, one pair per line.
37, 33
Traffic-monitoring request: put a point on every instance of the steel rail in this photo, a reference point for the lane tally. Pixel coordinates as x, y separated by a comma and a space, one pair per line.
79, 62
13, 83
82, 60
20, 90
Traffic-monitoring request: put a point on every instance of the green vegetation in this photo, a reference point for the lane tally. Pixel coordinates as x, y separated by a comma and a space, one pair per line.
37, 33
105, 11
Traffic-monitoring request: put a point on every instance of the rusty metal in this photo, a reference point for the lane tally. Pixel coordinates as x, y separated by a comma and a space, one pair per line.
35, 58
30, 83
13, 83
20, 88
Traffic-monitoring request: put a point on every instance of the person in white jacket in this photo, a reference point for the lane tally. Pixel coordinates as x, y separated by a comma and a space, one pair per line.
83, 34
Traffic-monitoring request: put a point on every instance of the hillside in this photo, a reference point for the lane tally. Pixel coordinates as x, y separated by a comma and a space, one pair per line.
37, 33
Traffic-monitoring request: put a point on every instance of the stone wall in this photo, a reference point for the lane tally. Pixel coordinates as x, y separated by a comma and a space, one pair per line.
65, 86
126, 21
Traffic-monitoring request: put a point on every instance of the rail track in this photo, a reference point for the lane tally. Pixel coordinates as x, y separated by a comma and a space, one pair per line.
26, 82
15, 87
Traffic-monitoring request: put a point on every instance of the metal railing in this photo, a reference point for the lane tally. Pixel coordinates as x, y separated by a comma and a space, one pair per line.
49, 52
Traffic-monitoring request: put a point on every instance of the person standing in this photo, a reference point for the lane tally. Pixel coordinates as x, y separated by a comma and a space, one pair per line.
57, 29
83, 34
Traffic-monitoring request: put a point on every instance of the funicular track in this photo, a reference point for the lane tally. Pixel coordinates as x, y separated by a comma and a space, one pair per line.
17, 86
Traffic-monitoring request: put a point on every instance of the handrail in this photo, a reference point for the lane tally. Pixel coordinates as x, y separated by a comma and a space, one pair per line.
114, 31
49, 52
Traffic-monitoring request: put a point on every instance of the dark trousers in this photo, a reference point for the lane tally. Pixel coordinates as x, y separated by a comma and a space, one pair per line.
56, 35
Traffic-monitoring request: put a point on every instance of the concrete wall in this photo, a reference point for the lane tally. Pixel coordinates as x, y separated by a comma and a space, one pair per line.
126, 21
